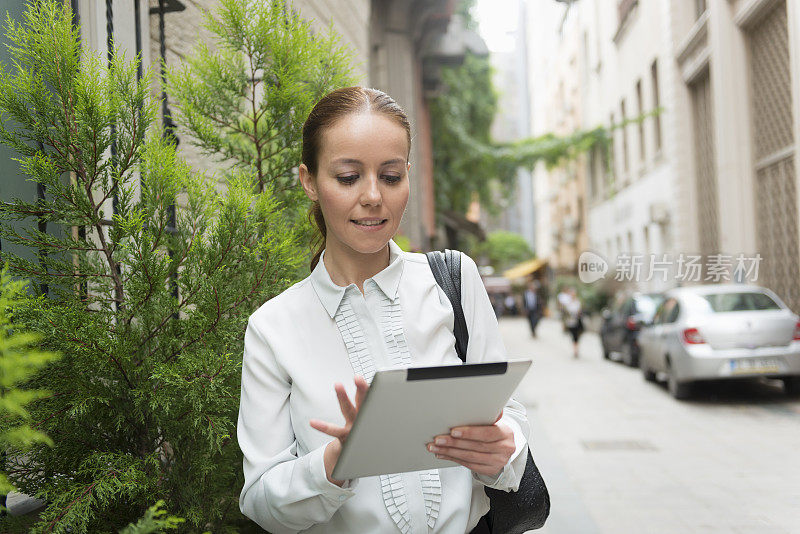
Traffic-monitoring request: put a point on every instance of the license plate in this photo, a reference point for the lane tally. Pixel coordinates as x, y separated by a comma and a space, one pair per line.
755, 365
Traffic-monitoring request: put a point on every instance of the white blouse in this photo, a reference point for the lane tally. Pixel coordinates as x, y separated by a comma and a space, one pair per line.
298, 344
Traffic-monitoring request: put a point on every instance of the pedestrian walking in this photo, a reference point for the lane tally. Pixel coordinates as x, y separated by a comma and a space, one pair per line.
561, 301
533, 305
573, 320
511, 304
310, 352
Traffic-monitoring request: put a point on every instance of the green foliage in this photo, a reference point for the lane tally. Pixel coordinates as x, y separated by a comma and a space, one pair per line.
149, 319
19, 361
245, 99
504, 249
153, 522
460, 121
468, 164
403, 242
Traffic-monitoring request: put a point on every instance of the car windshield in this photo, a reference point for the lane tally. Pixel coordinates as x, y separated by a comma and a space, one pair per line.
744, 301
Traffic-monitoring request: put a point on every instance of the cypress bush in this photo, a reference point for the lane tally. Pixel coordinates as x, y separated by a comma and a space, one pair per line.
146, 304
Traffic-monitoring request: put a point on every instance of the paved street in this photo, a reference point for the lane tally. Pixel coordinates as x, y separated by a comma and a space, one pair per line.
620, 455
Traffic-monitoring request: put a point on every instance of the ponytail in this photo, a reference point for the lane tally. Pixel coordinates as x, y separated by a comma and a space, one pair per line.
318, 241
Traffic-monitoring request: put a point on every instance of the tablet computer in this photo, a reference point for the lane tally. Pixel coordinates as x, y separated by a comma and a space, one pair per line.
404, 409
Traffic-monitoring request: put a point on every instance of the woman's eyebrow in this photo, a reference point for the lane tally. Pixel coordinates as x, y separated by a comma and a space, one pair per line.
358, 162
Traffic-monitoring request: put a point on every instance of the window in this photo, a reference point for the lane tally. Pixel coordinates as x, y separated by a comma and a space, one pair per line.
640, 112
656, 103
672, 312
730, 302
624, 127
667, 312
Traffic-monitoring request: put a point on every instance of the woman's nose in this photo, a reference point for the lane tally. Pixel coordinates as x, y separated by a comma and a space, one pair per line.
371, 193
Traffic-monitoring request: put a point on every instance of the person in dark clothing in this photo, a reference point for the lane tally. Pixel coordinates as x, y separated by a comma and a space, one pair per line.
533, 305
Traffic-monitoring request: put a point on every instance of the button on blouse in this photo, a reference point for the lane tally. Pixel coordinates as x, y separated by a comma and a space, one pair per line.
298, 344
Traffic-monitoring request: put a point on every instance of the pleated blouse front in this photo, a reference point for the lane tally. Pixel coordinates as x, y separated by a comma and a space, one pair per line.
298, 344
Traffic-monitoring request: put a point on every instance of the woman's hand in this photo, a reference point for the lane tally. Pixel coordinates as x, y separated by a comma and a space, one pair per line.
334, 448
483, 449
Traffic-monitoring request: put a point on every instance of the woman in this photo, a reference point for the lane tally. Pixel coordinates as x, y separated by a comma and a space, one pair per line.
366, 305
574, 318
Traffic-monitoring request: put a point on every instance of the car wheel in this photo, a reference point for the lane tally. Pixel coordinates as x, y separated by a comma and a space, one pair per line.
791, 384
647, 373
629, 356
679, 390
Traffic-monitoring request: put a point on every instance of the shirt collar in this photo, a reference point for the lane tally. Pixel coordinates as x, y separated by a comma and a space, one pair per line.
331, 295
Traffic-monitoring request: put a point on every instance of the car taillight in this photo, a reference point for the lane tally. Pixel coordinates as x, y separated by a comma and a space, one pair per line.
630, 324
796, 336
692, 336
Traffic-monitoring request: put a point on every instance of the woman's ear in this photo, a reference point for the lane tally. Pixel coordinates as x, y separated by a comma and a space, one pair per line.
308, 182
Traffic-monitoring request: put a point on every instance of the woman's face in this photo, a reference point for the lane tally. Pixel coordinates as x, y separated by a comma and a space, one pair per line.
361, 182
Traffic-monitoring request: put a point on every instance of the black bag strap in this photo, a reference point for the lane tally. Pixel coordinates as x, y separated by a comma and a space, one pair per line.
446, 268
509, 512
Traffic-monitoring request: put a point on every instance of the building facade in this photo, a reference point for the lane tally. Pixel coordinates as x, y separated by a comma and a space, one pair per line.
737, 95
702, 98
557, 102
626, 75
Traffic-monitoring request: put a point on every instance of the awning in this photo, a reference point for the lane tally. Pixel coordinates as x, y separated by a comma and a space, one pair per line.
525, 268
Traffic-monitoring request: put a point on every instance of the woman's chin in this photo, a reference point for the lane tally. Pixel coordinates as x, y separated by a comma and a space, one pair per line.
371, 244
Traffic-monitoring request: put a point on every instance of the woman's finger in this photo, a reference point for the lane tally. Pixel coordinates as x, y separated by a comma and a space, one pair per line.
481, 469
361, 390
487, 433
328, 428
488, 458
467, 444
348, 410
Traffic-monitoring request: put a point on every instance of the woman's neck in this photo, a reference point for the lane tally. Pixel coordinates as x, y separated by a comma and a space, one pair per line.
346, 266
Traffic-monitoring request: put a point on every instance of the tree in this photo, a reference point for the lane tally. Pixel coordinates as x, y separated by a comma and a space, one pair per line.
504, 249
144, 400
468, 164
245, 101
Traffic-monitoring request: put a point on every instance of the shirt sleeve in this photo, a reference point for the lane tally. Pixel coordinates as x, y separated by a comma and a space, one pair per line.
486, 344
282, 492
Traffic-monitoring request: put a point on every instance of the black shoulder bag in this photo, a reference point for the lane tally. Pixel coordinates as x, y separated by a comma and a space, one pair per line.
513, 512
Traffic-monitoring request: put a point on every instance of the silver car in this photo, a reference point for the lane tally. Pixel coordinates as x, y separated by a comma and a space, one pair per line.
721, 331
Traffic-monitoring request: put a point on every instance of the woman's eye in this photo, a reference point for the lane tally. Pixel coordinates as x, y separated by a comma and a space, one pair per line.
347, 179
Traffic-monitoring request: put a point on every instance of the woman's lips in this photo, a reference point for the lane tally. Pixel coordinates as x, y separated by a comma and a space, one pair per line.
370, 225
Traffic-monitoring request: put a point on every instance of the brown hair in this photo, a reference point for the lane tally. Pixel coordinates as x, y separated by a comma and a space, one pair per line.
325, 113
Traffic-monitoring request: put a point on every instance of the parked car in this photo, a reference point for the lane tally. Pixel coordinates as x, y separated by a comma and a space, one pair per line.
717, 332
620, 329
